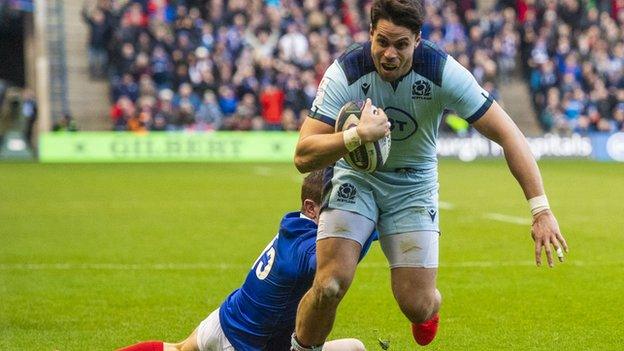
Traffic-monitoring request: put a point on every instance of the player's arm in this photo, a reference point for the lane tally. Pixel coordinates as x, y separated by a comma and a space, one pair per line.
319, 146
497, 126
464, 95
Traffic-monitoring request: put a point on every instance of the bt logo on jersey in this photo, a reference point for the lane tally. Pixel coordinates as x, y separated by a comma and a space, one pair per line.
402, 125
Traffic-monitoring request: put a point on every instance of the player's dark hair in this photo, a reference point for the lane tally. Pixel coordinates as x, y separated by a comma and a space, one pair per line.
312, 187
405, 13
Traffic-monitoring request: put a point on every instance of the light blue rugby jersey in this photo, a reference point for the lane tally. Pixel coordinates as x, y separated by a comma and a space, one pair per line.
414, 104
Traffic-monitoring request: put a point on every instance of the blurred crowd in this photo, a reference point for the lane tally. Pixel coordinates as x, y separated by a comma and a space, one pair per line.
574, 61
255, 65
205, 65
484, 42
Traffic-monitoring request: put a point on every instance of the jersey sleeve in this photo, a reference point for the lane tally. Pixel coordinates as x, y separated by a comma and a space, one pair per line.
462, 92
331, 95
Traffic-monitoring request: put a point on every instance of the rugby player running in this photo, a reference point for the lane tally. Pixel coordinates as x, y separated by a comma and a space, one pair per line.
412, 81
261, 314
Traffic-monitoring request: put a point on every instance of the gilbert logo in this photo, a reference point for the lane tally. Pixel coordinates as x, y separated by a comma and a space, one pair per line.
421, 89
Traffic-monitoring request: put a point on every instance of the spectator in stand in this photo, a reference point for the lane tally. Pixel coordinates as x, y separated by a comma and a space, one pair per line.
551, 117
294, 97
135, 17
126, 87
160, 10
161, 67
99, 35
263, 42
186, 96
181, 75
185, 116
574, 107
272, 102
209, 116
246, 112
122, 112
289, 120
293, 45
126, 59
164, 117
227, 100
29, 112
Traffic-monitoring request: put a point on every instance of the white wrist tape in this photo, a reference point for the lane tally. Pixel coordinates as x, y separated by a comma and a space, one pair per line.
351, 139
538, 204
295, 346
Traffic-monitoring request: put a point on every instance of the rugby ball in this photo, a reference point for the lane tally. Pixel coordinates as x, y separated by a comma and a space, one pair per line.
369, 156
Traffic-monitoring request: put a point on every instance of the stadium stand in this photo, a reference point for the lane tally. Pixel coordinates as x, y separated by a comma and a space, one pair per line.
573, 54
255, 65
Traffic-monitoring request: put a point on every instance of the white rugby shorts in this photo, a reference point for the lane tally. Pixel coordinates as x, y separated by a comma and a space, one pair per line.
210, 336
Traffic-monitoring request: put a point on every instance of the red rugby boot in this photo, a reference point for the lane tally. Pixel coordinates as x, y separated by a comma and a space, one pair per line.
425, 332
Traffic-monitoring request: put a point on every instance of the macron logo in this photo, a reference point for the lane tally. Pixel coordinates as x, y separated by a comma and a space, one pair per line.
432, 214
365, 87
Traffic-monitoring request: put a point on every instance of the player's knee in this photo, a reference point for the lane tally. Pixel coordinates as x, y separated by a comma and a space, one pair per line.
331, 290
420, 308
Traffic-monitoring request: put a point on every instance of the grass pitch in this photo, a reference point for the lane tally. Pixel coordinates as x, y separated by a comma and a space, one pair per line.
94, 257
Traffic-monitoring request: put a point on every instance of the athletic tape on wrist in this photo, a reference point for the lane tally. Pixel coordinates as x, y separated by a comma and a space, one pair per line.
538, 204
295, 346
351, 139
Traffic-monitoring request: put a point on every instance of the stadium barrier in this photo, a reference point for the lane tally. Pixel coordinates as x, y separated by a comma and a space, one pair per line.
279, 147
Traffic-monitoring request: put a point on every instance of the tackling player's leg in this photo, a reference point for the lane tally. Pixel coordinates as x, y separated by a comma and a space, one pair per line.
190, 344
208, 336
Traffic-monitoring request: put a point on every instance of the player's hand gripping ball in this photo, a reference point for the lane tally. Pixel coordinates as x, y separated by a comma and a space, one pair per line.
370, 156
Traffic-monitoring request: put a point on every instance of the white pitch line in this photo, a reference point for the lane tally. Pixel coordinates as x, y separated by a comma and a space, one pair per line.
119, 266
262, 171
507, 219
227, 266
491, 264
446, 205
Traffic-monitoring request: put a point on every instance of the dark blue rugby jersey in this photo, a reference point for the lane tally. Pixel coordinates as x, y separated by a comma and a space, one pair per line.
260, 315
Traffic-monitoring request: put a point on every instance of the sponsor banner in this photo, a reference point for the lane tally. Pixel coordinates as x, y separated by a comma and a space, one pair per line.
168, 147
549, 145
609, 147
280, 146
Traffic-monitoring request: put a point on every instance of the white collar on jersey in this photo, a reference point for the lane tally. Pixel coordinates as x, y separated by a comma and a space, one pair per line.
301, 215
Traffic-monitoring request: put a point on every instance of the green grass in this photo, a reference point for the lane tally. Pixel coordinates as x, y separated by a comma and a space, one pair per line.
80, 248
